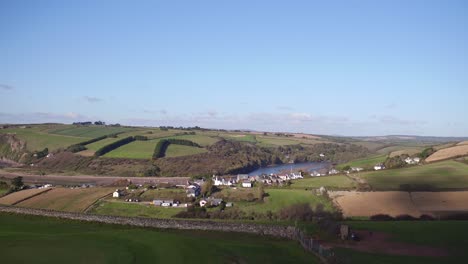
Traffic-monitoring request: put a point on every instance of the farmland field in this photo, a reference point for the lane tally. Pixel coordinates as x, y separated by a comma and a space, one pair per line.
89, 131
175, 150
150, 195
450, 235
397, 203
201, 140
444, 175
279, 198
50, 240
16, 197
408, 151
66, 199
329, 182
37, 140
134, 150
366, 163
447, 153
120, 208
372, 203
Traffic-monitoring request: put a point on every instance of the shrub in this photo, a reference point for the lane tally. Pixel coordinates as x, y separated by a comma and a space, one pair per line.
141, 138
76, 148
405, 217
160, 149
381, 217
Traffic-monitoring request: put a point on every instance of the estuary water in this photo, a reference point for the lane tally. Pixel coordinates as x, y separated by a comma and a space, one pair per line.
282, 168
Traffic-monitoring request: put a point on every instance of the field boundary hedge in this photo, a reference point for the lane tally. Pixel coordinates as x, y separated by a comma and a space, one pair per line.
81, 146
114, 145
325, 254
163, 144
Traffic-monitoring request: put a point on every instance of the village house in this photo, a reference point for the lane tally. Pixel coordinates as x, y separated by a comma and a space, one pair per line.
193, 190
116, 194
210, 201
164, 203
333, 171
409, 160
356, 169
295, 176
246, 184
315, 174
241, 177
379, 167
226, 181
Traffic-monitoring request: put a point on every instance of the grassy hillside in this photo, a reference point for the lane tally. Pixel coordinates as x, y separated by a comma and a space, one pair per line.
440, 175
134, 209
330, 182
134, 150
449, 153
366, 163
179, 150
38, 140
279, 198
89, 131
49, 240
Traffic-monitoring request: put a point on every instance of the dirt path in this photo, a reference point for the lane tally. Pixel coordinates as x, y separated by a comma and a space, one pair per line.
87, 179
378, 242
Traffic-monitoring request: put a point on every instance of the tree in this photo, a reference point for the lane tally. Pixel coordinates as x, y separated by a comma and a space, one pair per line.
260, 192
346, 168
207, 188
17, 182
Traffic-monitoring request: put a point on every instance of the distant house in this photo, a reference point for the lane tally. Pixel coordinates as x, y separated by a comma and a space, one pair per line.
229, 204
315, 174
210, 201
333, 171
322, 155
241, 177
164, 203
294, 176
116, 194
357, 169
409, 160
193, 190
227, 181
246, 184
379, 167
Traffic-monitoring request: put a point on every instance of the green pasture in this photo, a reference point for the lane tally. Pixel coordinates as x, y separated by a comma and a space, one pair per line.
33, 239
134, 150
366, 163
89, 131
329, 182
175, 150
121, 208
37, 140
440, 175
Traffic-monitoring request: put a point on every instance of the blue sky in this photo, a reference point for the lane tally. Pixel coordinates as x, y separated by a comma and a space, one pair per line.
324, 67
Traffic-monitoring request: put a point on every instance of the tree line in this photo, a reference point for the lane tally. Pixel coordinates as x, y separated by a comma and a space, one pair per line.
161, 147
114, 145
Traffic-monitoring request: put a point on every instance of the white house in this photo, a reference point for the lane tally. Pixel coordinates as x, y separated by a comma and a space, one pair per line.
296, 176
409, 160
217, 181
322, 155
116, 194
333, 171
379, 167
357, 169
246, 184
315, 174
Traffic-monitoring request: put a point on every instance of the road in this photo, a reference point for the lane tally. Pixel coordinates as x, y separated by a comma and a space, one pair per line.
87, 179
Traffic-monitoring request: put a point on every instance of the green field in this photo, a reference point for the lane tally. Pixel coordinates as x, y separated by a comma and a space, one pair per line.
150, 195
101, 143
329, 182
279, 198
134, 150
366, 163
201, 140
439, 175
120, 208
450, 235
175, 150
89, 131
38, 140
32, 239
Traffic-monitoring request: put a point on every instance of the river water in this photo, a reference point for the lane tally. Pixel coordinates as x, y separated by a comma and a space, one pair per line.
282, 168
